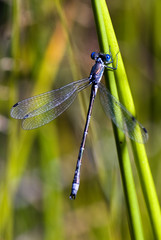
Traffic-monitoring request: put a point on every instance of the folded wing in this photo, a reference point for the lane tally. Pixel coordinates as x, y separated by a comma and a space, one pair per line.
121, 117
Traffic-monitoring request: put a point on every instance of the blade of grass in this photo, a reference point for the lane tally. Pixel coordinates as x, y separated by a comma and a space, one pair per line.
52, 191
49, 157
138, 149
6, 213
20, 144
124, 161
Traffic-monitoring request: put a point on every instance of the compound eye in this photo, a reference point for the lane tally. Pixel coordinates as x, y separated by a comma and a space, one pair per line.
94, 55
107, 58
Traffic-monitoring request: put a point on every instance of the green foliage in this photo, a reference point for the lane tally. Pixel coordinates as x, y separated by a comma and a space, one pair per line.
106, 34
46, 45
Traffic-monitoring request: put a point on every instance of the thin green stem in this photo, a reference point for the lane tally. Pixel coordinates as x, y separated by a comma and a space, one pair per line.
124, 94
107, 37
139, 151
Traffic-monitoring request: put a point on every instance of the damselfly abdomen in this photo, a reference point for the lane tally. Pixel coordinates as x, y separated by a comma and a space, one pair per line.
41, 109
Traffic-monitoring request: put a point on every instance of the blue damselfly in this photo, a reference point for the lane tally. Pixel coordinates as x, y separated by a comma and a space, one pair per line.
41, 109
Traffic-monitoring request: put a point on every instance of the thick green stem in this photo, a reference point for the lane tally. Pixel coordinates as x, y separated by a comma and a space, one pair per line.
107, 37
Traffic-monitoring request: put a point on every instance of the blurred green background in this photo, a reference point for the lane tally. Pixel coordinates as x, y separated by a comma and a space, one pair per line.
45, 45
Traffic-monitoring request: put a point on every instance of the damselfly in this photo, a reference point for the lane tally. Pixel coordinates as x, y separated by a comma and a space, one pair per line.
41, 109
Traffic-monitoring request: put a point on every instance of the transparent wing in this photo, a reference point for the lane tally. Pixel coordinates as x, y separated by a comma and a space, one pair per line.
43, 102
121, 117
47, 116
45, 107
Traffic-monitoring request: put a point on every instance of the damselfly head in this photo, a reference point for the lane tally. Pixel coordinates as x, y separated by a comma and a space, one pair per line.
94, 55
107, 58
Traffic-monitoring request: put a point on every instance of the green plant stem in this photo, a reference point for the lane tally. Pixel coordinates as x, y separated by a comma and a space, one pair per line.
140, 156
107, 36
124, 161
139, 151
